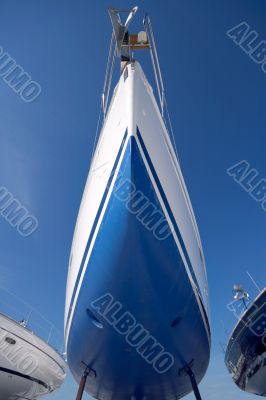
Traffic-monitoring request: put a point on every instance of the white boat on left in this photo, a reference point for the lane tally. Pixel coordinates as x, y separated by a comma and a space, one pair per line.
29, 366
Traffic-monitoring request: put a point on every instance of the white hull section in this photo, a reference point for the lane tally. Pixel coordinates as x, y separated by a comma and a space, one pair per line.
29, 367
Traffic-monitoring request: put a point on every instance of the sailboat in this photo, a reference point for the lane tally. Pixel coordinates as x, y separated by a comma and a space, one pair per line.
245, 355
136, 315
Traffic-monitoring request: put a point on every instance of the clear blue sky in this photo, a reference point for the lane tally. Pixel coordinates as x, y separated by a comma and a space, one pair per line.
216, 96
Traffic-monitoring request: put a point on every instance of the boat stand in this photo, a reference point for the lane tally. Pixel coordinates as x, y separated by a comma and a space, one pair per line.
188, 371
87, 372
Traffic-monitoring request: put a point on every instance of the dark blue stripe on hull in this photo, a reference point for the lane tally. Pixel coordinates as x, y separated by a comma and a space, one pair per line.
148, 278
25, 376
168, 208
109, 183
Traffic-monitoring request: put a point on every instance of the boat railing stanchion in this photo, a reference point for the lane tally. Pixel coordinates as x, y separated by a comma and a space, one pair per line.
28, 317
187, 370
254, 282
87, 372
50, 334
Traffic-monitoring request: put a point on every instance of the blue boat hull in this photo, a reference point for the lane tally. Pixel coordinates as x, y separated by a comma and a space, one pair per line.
136, 273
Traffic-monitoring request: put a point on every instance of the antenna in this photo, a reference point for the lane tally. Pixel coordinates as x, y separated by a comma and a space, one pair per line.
254, 282
240, 295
